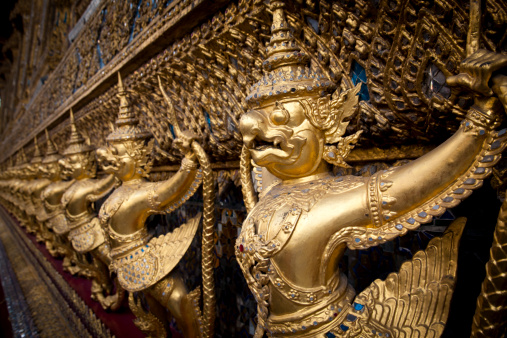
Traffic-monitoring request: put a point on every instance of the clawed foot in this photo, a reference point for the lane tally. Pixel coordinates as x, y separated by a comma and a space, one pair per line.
52, 250
112, 302
69, 267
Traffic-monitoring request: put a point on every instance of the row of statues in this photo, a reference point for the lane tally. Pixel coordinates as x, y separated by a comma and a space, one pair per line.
53, 197
297, 228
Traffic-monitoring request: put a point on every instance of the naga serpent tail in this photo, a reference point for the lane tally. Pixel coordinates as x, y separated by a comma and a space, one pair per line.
490, 317
208, 278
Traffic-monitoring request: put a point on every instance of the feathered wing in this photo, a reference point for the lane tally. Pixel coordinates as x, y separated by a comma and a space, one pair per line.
148, 264
415, 301
172, 246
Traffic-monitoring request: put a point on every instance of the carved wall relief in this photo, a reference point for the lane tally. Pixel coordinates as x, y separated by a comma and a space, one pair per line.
326, 115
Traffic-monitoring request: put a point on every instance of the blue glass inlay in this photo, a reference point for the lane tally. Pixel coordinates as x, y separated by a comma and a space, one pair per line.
358, 307
411, 220
136, 15
208, 121
359, 75
434, 82
171, 128
313, 23
344, 327
99, 54
487, 158
470, 181
502, 132
330, 335
351, 317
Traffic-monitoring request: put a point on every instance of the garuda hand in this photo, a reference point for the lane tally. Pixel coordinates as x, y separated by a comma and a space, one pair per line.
184, 142
484, 73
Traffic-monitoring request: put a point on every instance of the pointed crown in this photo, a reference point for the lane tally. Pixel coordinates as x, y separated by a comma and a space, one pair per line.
17, 162
52, 154
77, 143
21, 161
286, 70
127, 122
37, 157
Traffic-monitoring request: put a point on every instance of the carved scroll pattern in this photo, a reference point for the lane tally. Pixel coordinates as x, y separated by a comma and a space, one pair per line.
406, 50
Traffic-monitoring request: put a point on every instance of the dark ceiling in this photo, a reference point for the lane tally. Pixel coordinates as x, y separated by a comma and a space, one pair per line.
6, 29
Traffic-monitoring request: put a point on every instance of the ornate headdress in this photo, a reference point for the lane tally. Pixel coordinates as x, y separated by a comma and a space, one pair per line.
127, 122
21, 160
77, 143
288, 75
21, 163
131, 135
37, 157
52, 154
287, 72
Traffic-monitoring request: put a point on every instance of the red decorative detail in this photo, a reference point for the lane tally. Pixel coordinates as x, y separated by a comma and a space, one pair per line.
241, 248
335, 314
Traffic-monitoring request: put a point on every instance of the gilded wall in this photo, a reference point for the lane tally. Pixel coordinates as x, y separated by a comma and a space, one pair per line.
167, 84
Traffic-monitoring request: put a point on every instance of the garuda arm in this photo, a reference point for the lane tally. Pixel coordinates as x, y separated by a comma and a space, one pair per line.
169, 195
52, 195
100, 188
400, 199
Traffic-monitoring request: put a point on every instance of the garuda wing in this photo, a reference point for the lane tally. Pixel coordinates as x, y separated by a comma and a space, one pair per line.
148, 264
172, 246
413, 302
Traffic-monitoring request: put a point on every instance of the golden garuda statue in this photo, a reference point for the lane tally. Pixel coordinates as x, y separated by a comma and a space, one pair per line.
83, 228
53, 216
22, 175
305, 218
145, 264
32, 190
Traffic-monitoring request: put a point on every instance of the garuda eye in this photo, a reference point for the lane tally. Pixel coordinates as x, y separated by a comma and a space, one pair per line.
280, 115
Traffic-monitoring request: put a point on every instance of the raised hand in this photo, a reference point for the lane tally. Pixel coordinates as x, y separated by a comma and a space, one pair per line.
184, 142
477, 70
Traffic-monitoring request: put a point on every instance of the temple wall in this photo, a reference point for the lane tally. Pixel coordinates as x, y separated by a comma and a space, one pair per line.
208, 54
